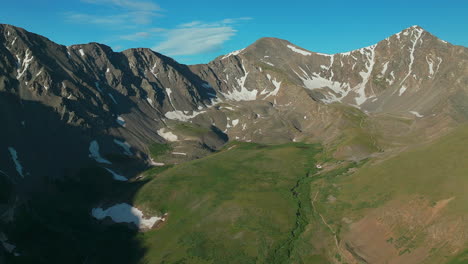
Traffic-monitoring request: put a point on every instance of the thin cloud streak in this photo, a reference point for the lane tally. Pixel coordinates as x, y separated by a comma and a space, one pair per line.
197, 37
126, 4
133, 12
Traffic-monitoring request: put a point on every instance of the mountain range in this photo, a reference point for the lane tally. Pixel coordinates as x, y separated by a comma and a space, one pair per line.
76, 115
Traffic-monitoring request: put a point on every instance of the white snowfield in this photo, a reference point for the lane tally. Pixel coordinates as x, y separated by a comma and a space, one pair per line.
275, 91
416, 114
150, 101
415, 36
112, 97
125, 213
169, 92
300, 51
14, 157
402, 90
337, 89
121, 121
316, 81
116, 176
81, 52
181, 115
125, 146
242, 93
94, 153
360, 88
179, 153
234, 53
169, 136
23, 64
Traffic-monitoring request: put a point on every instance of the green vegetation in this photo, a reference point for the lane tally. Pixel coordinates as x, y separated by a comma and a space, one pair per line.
189, 129
462, 258
159, 149
253, 203
358, 137
248, 204
437, 171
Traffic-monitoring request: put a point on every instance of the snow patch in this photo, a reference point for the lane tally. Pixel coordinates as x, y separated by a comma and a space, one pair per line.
416, 33
234, 53
241, 94
98, 87
94, 153
181, 116
179, 153
360, 88
228, 108
390, 82
277, 87
430, 63
416, 114
300, 51
14, 157
125, 213
116, 176
318, 82
81, 52
402, 90
169, 136
149, 101
384, 68
23, 64
121, 121
169, 92
154, 163
112, 97
206, 85
126, 147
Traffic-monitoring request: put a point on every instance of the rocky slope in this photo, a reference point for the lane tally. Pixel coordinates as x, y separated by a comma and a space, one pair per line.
69, 108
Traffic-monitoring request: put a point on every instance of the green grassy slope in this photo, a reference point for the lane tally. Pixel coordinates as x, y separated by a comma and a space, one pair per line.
236, 206
252, 203
268, 204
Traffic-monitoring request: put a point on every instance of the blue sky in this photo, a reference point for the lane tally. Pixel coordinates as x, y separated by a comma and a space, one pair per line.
198, 31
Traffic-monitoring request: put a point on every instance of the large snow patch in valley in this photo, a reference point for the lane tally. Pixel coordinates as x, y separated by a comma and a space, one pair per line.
125, 213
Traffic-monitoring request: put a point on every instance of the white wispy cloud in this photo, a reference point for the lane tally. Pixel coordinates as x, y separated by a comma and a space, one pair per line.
131, 5
197, 37
151, 32
136, 36
122, 12
134, 22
